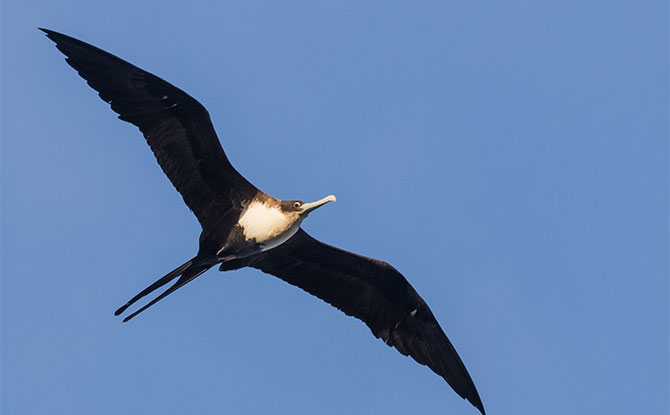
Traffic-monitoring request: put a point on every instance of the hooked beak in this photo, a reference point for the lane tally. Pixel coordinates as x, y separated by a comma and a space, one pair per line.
308, 207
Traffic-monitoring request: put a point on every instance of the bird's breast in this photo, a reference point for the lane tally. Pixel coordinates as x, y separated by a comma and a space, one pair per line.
267, 225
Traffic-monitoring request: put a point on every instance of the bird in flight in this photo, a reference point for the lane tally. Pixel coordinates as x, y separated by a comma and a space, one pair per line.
244, 227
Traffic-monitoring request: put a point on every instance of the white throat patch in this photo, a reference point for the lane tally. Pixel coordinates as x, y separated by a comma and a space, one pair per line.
267, 225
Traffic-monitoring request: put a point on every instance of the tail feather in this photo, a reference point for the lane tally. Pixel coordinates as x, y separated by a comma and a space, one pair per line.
187, 272
156, 285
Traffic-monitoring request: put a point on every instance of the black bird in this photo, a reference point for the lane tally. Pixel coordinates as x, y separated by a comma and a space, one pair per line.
245, 227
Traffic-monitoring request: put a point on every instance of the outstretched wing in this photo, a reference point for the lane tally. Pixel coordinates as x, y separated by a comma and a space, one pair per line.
372, 291
176, 126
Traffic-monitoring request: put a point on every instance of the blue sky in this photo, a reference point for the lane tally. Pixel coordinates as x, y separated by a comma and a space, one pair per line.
510, 158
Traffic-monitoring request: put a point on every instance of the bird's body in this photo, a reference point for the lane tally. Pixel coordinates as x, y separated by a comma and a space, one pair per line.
265, 223
245, 227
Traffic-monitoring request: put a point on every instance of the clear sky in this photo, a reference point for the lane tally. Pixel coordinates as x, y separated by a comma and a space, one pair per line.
510, 158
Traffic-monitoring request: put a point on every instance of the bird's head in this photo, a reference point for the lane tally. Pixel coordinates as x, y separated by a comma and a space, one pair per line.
303, 209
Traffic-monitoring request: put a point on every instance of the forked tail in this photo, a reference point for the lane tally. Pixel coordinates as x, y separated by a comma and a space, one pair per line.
186, 272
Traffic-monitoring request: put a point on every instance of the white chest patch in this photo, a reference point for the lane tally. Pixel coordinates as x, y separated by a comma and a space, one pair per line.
267, 225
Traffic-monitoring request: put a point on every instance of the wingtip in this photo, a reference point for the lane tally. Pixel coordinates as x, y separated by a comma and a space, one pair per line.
47, 31
52, 35
56, 37
476, 401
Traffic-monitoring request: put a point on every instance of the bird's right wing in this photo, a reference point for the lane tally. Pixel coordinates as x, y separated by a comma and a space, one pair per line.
176, 126
372, 291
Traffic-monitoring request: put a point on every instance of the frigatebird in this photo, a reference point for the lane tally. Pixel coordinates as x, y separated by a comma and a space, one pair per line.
245, 227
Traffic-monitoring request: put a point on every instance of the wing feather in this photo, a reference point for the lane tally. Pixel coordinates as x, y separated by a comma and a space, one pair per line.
372, 291
176, 126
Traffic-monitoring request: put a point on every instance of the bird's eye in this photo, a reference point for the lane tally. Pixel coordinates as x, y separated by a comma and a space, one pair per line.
296, 204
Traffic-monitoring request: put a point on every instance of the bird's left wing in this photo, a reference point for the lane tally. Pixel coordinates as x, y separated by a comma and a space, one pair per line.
372, 291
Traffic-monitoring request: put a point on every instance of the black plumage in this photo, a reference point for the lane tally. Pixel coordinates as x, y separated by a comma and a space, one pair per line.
180, 133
